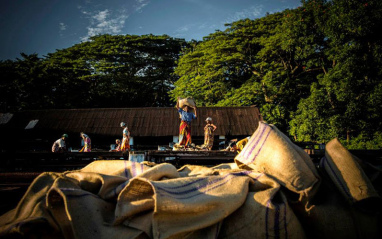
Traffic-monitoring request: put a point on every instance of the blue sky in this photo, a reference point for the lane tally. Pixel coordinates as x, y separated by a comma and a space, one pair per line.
42, 26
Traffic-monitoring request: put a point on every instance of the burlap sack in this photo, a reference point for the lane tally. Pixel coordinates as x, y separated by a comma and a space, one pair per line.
269, 151
105, 186
260, 217
82, 214
226, 166
332, 218
123, 168
184, 205
347, 175
128, 170
31, 218
122, 199
55, 206
195, 170
187, 101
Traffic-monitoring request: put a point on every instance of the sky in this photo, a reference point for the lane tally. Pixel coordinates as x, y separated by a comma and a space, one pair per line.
44, 26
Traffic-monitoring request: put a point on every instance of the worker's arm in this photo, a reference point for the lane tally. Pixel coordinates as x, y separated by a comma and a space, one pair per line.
214, 126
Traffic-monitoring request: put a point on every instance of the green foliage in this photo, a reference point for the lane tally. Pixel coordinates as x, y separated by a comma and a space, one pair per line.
314, 71
363, 141
348, 105
123, 71
107, 71
269, 62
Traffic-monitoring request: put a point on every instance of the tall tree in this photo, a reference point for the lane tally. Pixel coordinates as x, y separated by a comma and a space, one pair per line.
269, 62
350, 89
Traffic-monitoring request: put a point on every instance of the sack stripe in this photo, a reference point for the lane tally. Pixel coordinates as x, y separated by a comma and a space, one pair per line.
277, 222
252, 144
261, 147
344, 188
199, 188
184, 185
133, 169
180, 195
196, 187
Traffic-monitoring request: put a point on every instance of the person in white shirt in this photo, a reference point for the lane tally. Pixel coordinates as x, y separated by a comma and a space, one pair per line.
59, 145
125, 145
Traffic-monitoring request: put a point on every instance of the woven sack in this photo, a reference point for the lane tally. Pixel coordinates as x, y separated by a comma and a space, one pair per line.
59, 206
269, 151
181, 207
347, 174
187, 101
332, 218
23, 222
265, 214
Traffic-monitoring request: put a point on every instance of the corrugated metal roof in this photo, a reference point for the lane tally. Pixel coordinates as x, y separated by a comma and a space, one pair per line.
141, 121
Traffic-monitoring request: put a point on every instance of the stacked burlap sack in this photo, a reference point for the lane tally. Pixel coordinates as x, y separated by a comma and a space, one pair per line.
273, 190
338, 201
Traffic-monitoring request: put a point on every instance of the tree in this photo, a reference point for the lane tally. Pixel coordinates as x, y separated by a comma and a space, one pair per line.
107, 71
121, 71
269, 62
351, 86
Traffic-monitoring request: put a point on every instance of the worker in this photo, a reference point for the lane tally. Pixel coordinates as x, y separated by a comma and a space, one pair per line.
185, 124
87, 143
241, 144
125, 145
209, 134
237, 146
59, 145
117, 146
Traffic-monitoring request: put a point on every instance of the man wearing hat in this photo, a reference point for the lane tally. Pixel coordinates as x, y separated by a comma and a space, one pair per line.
59, 145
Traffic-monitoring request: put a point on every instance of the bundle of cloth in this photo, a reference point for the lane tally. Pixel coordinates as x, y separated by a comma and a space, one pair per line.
272, 190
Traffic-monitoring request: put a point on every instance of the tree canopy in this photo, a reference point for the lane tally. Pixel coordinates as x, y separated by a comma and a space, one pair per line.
107, 71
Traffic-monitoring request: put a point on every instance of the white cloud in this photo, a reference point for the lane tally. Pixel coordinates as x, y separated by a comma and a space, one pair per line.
252, 12
62, 26
104, 22
183, 29
140, 4
107, 21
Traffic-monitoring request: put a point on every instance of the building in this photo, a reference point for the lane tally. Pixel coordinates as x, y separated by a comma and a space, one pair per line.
149, 127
